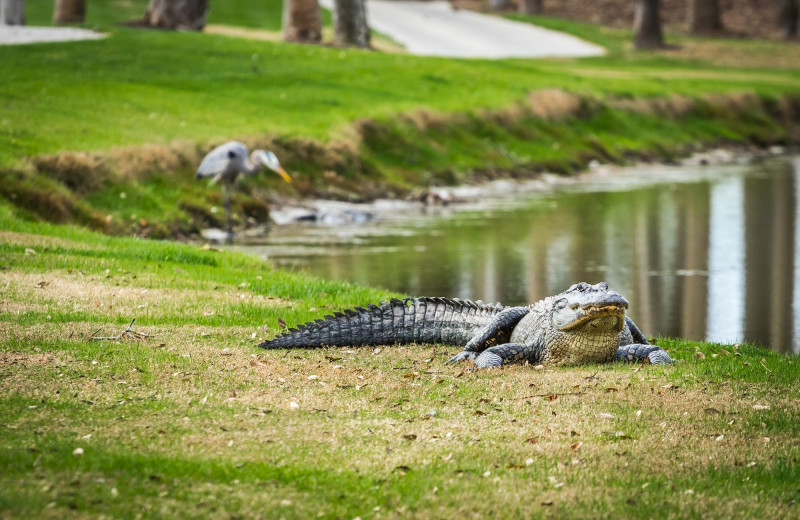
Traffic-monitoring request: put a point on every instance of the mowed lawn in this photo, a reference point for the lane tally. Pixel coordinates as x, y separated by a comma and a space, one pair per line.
194, 421
140, 87
187, 418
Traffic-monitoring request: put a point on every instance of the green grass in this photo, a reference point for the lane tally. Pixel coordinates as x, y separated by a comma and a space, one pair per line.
147, 117
106, 14
199, 86
194, 421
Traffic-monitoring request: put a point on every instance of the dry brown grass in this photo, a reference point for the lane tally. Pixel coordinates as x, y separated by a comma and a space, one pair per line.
553, 104
773, 55
509, 439
42, 241
674, 106
243, 32
123, 294
84, 172
379, 43
688, 74
394, 392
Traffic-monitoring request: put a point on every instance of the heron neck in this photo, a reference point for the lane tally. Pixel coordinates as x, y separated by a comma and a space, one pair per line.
251, 165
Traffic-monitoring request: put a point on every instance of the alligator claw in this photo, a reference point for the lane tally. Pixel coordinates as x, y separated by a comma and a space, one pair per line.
464, 355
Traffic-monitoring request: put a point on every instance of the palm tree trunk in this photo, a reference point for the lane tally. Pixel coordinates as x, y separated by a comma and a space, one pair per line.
647, 25
531, 7
703, 17
12, 12
177, 14
69, 11
350, 23
499, 4
302, 21
788, 13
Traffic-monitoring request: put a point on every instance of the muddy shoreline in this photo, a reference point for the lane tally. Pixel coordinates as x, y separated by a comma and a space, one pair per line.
465, 197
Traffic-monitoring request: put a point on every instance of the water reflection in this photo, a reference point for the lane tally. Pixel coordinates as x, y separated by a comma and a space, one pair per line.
712, 258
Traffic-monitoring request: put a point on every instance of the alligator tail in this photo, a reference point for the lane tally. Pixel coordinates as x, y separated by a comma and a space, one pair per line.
411, 320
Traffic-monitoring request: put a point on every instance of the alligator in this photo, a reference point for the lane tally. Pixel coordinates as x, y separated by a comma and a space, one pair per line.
584, 324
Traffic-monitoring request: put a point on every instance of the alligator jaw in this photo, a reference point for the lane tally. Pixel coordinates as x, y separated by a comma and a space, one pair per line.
593, 312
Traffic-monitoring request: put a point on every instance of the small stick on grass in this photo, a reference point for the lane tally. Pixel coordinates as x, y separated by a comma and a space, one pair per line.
548, 395
129, 330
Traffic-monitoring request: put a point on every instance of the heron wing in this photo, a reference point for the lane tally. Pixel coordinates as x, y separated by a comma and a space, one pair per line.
218, 161
214, 164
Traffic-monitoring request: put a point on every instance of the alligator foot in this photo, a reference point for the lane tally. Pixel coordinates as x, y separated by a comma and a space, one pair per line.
498, 330
506, 353
464, 355
639, 352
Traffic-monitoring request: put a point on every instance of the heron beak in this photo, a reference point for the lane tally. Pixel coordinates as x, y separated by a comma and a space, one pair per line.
280, 171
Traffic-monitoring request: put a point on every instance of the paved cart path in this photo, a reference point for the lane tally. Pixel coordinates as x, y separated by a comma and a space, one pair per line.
20, 34
436, 29
423, 28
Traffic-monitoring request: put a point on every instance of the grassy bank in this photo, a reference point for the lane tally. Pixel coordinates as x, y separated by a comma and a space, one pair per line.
151, 191
94, 134
188, 419
194, 421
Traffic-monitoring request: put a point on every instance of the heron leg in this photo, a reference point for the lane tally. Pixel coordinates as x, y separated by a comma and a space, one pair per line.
226, 202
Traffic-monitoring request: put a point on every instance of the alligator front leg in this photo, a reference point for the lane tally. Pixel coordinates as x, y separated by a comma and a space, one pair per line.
640, 352
508, 353
495, 332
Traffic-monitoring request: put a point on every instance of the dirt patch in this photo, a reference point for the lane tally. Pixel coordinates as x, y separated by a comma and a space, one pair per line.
20, 358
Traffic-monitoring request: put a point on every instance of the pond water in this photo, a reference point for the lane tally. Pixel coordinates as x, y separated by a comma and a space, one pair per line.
701, 252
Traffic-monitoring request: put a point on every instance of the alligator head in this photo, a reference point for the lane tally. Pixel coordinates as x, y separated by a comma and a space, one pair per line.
590, 308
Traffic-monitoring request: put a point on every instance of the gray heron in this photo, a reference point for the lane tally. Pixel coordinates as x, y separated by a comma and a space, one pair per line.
227, 161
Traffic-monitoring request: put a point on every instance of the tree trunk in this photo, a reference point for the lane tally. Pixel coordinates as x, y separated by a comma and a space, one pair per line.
531, 6
499, 4
302, 21
12, 12
703, 17
788, 13
350, 23
647, 25
69, 11
177, 14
